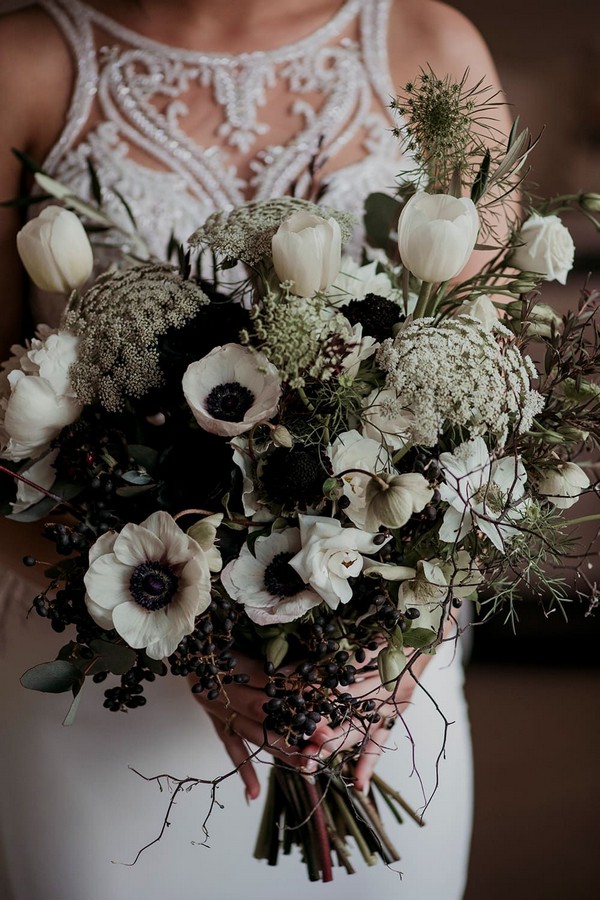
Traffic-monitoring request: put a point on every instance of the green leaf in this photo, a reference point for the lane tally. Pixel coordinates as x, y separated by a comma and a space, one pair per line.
70, 716
125, 205
95, 185
52, 677
144, 456
137, 477
481, 179
133, 490
26, 161
117, 658
419, 638
381, 216
276, 650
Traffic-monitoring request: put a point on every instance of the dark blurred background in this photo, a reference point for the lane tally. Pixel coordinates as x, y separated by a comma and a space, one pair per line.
534, 696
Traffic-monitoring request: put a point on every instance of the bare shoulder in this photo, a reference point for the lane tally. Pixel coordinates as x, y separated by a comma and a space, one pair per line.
427, 32
36, 80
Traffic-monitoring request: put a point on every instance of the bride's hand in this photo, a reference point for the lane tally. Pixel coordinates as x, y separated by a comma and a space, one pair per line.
238, 717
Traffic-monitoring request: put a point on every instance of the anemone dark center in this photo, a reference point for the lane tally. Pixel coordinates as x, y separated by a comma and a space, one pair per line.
229, 402
153, 585
280, 579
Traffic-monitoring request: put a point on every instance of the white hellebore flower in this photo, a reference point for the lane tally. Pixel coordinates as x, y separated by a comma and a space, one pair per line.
307, 250
392, 499
546, 248
393, 430
354, 282
436, 235
231, 389
149, 582
362, 348
41, 401
564, 485
481, 494
330, 555
352, 451
434, 580
270, 590
55, 250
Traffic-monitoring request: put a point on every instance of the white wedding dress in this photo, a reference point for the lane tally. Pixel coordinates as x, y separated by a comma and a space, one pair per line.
73, 814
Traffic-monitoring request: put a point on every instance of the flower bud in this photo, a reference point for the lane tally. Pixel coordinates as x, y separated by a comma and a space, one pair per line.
392, 499
281, 437
391, 663
527, 283
307, 250
276, 650
541, 319
580, 391
590, 202
545, 247
55, 250
436, 235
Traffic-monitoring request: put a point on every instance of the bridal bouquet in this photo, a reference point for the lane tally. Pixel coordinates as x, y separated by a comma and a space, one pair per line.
300, 457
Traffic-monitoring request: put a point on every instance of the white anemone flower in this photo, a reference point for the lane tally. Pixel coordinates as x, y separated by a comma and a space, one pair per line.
481, 494
270, 590
330, 555
362, 348
231, 389
148, 582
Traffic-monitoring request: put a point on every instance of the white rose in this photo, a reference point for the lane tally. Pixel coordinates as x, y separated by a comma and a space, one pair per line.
330, 555
53, 359
34, 415
546, 248
564, 485
307, 250
436, 235
55, 250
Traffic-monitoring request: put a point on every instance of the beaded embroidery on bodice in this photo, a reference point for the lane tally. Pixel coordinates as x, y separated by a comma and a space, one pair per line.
133, 98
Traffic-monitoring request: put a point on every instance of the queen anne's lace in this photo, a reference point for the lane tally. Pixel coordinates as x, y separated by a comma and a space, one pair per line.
455, 373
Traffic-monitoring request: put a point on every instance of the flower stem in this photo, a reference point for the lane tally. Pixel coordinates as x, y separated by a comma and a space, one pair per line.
42, 490
424, 294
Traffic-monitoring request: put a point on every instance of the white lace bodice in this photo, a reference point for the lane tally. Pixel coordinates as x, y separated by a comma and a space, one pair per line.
135, 101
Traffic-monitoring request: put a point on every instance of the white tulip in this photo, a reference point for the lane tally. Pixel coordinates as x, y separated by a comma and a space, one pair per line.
55, 250
564, 485
546, 248
307, 250
436, 235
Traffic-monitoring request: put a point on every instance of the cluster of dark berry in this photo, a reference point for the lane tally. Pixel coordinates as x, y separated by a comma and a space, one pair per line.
130, 693
297, 703
207, 652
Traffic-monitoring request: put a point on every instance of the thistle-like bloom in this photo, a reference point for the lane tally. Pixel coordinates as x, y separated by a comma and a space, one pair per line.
231, 389
436, 235
148, 582
271, 591
481, 494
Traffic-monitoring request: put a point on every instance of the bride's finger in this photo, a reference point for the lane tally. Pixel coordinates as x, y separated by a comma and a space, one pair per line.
238, 753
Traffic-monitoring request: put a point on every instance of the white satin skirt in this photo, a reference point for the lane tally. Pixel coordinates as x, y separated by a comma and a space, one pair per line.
73, 814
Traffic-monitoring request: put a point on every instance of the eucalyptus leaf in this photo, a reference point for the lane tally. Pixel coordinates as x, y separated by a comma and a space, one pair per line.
144, 456
133, 490
117, 658
53, 677
137, 477
70, 716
